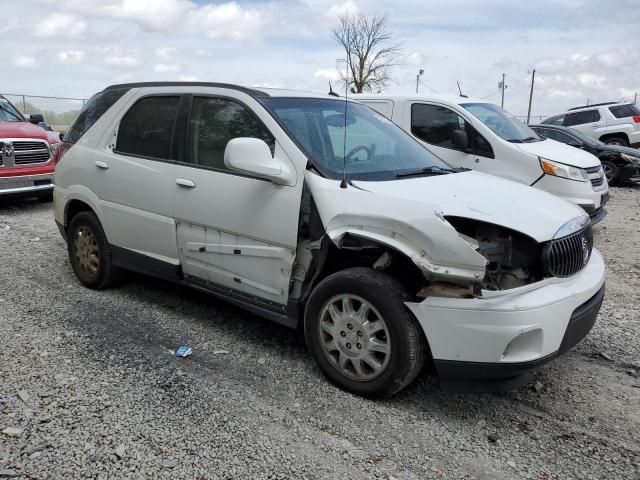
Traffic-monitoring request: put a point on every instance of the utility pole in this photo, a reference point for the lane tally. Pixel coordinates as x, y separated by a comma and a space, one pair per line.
502, 86
635, 98
533, 78
420, 72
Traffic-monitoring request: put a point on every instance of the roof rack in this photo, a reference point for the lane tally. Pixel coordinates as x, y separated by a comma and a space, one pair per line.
251, 91
594, 105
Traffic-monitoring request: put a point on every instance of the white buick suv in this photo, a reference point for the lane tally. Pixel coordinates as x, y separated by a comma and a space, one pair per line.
321, 214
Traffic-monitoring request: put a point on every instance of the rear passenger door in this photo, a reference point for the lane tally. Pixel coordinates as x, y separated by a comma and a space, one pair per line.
236, 233
133, 178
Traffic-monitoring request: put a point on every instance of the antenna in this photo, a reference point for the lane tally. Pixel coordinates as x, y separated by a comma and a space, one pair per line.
460, 90
331, 92
343, 183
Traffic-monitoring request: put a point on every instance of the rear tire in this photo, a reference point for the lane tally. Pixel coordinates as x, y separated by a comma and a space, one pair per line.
90, 252
616, 141
612, 172
361, 334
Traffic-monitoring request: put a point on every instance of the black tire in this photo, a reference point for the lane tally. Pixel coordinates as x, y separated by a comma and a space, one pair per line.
387, 297
46, 197
616, 141
612, 172
105, 274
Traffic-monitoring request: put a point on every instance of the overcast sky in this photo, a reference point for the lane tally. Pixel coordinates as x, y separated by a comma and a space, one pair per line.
580, 48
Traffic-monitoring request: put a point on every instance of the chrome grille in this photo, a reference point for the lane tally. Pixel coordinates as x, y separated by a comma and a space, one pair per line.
27, 152
568, 255
596, 176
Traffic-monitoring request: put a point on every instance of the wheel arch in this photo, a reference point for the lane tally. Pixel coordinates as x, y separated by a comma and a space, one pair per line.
607, 136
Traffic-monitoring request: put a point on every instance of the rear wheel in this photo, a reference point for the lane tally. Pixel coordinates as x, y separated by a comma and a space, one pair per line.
361, 335
90, 253
611, 171
616, 141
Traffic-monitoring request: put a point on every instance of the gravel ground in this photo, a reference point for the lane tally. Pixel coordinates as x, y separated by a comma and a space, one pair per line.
89, 390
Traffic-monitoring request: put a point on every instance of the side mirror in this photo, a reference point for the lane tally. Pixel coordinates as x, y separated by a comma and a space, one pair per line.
252, 156
576, 143
36, 118
460, 139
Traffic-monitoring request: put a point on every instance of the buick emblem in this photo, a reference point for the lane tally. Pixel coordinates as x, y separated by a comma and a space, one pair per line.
585, 251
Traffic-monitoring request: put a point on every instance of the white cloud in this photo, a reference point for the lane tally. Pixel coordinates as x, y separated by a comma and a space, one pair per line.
24, 61
69, 57
166, 68
415, 58
328, 74
346, 8
61, 25
227, 20
118, 57
165, 53
187, 78
591, 80
151, 15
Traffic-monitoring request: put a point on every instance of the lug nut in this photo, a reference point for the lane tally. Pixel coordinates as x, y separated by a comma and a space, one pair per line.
349, 326
358, 346
348, 345
359, 333
343, 333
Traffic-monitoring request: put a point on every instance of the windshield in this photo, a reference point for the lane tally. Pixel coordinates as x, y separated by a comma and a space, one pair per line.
376, 148
502, 123
584, 138
8, 113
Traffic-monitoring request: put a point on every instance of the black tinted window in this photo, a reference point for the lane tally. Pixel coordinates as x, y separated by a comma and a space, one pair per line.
623, 111
557, 120
435, 125
580, 118
215, 121
555, 135
147, 128
91, 112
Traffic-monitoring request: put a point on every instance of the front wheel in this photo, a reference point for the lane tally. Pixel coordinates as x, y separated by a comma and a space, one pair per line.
361, 334
617, 141
611, 171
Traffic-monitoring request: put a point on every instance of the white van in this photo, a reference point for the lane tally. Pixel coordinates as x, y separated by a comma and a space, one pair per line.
481, 136
341, 225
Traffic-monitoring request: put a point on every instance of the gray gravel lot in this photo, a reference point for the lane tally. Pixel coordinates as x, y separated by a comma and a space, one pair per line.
89, 390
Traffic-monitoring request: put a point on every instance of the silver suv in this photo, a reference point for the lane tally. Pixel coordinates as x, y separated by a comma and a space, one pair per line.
612, 123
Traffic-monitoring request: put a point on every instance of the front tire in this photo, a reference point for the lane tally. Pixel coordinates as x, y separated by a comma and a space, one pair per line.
90, 252
612, 172
361, 334
617, 141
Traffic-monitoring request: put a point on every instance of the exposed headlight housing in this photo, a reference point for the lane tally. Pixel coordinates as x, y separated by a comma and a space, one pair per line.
630, 158
558, 169
572, 226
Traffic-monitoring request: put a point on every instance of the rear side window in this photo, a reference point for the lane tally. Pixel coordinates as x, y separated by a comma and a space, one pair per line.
623, 111
92, 111
580, 118
557, 120
146, 130
555, 135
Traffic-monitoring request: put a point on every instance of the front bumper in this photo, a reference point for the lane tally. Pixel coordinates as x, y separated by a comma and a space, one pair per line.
506, 334
590, 199
26, 184
630, 173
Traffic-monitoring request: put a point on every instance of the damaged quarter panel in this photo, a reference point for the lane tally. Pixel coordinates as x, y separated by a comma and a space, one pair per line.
413, 227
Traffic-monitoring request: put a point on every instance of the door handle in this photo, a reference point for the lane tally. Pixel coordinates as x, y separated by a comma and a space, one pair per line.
183, 182
102, 165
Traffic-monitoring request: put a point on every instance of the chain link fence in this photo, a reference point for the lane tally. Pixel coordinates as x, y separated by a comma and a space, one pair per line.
58, 112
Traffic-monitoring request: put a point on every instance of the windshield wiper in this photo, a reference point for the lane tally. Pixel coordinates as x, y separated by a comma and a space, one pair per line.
5, 109
434, 170
530, 139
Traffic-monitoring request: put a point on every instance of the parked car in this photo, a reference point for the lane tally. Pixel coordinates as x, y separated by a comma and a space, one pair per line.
481, 136
620, 164
612, 123
321, 214
26, 154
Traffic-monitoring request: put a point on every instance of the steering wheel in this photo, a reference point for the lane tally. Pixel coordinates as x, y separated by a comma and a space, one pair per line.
356, 150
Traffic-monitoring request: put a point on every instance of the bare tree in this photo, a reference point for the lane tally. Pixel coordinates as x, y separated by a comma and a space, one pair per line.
370, 52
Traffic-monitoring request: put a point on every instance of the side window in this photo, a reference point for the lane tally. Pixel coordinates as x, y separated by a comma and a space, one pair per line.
147, 128
580, 118
556, 135
624, 111
92, 111
557, 120
215, 121
435, 124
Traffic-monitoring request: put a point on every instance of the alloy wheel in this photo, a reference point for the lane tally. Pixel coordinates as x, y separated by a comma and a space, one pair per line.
86, 251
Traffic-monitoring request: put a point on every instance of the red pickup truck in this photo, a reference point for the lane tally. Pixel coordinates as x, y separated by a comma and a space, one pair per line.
27, 154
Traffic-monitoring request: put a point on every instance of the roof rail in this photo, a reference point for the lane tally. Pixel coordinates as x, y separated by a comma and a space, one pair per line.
251, 91
594, 105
